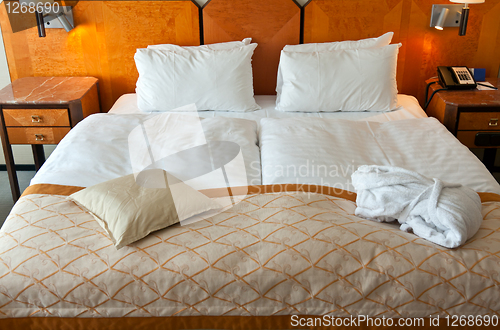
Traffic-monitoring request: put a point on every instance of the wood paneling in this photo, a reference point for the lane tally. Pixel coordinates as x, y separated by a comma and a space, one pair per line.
271, 24
424, 48
90, 102
103, 43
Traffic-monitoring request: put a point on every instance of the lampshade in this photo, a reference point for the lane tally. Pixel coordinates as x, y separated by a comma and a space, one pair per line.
467, 1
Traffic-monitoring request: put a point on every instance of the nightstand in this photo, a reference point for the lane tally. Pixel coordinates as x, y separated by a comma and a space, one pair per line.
42, 110
472, 116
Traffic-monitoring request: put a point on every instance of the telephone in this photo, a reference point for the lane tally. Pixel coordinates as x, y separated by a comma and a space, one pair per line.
456, 77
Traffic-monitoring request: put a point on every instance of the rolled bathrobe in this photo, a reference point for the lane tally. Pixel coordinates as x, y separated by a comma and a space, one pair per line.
444, 213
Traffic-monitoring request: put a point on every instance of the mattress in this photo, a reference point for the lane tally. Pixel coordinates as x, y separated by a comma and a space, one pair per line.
408, 108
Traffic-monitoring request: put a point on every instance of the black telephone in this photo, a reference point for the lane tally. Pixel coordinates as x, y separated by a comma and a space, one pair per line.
456, 77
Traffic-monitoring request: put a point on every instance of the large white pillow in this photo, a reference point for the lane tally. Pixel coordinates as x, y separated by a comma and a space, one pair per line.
211, 79
341, 80
217, 46
383, 40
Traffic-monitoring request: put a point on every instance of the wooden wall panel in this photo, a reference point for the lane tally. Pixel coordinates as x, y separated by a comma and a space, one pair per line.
103, 43
271, 24
424, 48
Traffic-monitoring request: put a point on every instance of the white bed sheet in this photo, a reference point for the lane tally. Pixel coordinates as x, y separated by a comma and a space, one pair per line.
327, 151
408, 108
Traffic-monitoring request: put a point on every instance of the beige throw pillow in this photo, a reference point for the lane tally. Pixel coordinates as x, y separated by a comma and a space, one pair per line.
130, 207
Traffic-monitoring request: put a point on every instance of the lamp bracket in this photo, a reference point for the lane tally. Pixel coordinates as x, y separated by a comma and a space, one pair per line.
453, 18
51, 21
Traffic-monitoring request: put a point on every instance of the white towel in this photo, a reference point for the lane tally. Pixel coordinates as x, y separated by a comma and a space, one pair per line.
443, 213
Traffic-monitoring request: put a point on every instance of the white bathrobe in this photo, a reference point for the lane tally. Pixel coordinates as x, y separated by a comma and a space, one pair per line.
443, 213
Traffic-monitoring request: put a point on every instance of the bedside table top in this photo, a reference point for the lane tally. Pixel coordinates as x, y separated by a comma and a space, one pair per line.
469, 97
46, 90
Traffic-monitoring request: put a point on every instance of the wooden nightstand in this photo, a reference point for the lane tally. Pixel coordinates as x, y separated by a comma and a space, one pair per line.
472, 116
42, 110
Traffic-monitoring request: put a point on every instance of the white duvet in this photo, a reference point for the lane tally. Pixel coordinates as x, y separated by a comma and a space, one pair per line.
319, 151
97, 149
107, 146
327, 151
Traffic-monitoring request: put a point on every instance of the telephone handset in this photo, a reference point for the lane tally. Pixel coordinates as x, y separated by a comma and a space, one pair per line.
456, 77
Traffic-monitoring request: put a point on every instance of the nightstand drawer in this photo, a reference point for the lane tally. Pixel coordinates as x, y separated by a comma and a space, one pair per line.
36, 117
479, 121
36, 135
468, 138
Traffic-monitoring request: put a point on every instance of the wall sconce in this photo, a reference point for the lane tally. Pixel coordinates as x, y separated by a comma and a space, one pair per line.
452, 15
64, 19
445, 16
465, 14
50, 15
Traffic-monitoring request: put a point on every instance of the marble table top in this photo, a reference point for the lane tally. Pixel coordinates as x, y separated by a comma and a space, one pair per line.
46, 90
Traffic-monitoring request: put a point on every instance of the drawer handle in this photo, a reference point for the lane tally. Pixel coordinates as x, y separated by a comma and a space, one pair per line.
39, 137
36, 119
493, 122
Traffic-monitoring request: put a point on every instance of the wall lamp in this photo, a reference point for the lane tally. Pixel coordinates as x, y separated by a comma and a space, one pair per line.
50, 15
465, 14
452, 15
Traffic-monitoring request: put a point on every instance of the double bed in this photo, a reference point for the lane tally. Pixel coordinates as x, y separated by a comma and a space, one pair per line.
292, 246
287, 241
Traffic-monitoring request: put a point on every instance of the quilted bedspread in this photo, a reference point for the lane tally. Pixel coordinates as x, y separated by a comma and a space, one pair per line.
272, 254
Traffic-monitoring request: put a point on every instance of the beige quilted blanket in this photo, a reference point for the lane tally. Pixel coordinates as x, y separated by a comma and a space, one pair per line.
283, 253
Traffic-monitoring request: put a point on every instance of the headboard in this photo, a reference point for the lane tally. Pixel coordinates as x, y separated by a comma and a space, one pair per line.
271, 24
108, 32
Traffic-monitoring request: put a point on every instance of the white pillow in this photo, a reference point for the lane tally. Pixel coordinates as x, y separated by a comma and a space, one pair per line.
218, 46
342, 80
211, 79
383, 40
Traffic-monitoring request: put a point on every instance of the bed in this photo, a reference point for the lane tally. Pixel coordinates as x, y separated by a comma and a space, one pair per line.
281, 251
286, 244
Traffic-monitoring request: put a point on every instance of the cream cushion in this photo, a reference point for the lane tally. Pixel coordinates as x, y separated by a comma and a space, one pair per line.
129, 208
